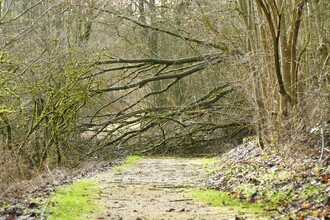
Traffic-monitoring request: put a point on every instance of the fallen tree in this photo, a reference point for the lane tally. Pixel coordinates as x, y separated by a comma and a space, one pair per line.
141, 124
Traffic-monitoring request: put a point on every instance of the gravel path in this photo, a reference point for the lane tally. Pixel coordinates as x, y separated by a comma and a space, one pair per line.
157, 189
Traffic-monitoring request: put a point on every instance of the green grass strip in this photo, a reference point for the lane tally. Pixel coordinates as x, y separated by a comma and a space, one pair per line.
74, 202
128, 162
210, 164
208, 161
220, 198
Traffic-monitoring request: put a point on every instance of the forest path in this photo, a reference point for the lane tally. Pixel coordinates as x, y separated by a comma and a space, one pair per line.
157, 189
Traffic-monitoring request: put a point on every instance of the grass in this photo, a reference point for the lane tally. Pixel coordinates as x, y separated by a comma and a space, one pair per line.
74, 202
210, 165
208, 161
220, 198
129, 161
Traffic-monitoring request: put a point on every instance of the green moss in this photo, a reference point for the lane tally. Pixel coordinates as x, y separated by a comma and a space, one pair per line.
313, 190
220, 198
129, 161
132, 160
208, 161
74, 201
210, 165
276, 198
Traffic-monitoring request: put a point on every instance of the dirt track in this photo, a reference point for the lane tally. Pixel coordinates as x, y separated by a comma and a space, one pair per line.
157, 189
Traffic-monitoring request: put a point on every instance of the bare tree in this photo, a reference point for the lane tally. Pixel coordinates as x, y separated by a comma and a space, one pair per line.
98, 77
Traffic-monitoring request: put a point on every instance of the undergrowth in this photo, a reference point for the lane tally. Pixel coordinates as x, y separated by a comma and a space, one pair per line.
291, 187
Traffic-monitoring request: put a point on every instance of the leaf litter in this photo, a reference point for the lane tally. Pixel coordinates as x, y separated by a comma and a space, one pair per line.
292, 188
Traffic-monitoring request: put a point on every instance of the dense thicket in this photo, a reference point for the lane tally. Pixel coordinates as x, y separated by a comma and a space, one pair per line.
82, 79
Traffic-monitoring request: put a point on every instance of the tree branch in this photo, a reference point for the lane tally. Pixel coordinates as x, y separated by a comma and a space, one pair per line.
156, 78
218, 46
160, 61
20, 15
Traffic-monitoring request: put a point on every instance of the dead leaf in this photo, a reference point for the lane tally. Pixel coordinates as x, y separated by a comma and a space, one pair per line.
324, 214
304, 206
324, 178
300, 217
316, 214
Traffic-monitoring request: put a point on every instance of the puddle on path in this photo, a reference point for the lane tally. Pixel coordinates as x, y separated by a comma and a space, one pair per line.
157, 189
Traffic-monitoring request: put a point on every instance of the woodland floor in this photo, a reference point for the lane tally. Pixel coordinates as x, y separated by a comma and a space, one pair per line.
288, 187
